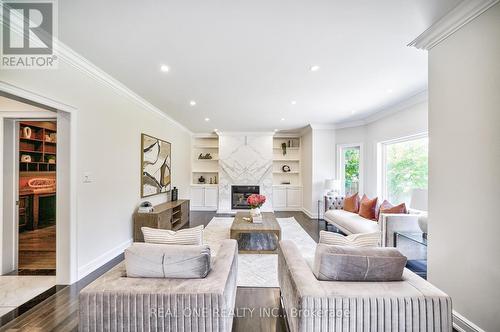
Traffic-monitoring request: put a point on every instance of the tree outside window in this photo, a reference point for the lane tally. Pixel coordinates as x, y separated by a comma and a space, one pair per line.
406, 168
351, 170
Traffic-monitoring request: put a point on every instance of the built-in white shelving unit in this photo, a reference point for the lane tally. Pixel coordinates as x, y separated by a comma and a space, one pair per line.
208, 168
289, 156
287, 186
204, 196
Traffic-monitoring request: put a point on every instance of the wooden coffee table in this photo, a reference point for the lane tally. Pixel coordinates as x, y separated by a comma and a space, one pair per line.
256, 238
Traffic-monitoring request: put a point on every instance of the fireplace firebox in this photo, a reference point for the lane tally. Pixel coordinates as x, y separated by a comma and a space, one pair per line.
239, 195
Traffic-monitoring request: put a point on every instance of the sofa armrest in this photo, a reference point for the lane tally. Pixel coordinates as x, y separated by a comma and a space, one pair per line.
390, 223
296, 266
298, 285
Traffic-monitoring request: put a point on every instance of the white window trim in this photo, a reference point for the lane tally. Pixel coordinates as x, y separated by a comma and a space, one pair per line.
340, 165
381, 160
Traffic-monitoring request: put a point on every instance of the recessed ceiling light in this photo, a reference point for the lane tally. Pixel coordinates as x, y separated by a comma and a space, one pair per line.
353, 112
164, 68
282, 119
294, 102
207, 119
314, 68
275, 130
389, 90
192, 103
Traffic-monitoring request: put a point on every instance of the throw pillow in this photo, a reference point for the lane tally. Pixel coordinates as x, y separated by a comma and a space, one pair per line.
367, 208
186, 236
342, 263
351, 203
353, 240
389, 208
149, 260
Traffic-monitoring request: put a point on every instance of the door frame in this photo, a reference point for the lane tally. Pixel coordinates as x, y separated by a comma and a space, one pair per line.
66, 198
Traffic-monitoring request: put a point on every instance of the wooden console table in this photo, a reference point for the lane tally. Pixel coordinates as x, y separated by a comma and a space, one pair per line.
171, 215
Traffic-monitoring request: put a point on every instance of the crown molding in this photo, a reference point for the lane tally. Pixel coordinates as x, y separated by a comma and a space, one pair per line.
350, 124
414, 100
82, 64
322, 126
459, 16
205, 135
245, 133
69, 56
419, 98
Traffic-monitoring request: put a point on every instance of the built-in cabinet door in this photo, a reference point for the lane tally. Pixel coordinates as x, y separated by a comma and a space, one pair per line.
197, 197
211, 198
293, 198
279, 198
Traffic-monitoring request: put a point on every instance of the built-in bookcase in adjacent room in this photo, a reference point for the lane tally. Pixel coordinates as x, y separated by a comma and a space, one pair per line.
37, 146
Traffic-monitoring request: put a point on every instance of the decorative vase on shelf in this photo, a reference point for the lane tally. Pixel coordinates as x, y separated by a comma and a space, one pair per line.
27, 132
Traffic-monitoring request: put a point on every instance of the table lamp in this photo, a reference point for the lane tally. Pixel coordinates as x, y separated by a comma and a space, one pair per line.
333, 187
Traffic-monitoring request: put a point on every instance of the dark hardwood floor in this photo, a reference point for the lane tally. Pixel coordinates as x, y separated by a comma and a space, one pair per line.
257, 309
37, 250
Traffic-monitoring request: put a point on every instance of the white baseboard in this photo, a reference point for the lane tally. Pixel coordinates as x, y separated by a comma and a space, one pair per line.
288, 209
312, 215
103, 259
197, 208
462, 324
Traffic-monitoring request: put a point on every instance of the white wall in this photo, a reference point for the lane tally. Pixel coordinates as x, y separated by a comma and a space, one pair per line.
109, 127
306, 166
408, 121
464, 173
318, 164
323, 166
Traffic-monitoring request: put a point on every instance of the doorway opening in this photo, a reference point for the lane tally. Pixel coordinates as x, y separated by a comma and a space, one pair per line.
37, 151
18, 106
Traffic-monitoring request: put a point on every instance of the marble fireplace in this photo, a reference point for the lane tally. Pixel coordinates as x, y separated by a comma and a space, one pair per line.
245, 159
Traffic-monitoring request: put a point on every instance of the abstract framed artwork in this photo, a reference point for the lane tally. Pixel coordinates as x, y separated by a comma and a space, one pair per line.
156, 166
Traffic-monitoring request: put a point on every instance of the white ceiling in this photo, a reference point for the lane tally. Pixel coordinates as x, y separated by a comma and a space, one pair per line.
243, 62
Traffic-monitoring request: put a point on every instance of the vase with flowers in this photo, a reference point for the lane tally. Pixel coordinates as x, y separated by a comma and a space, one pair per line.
255, 201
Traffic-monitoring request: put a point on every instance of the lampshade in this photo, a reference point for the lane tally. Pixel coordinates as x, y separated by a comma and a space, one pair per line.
419, 199
332, 184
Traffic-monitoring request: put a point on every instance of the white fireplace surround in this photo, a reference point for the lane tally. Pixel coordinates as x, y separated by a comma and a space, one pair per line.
245, 159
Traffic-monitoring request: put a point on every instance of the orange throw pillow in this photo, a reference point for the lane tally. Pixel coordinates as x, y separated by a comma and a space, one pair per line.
367, 208
351, 203
401, 208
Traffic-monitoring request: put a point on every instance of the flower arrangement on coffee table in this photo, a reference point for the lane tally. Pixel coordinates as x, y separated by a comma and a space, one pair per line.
255, 201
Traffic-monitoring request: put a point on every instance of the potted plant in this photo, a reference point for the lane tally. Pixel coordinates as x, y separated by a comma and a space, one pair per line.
255, 201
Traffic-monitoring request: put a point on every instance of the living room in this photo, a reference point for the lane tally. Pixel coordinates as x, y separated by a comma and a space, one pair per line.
278, 159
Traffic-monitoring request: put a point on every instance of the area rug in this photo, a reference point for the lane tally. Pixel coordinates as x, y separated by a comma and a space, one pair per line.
259, 270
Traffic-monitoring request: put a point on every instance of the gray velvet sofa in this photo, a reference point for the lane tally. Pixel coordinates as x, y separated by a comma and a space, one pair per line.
115, 302
412, 304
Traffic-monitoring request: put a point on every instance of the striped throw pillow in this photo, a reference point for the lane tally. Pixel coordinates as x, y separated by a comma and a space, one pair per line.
353, 240
188, 236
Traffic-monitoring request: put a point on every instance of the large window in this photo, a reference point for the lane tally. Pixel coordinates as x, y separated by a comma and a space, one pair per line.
350, 168
404, 167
